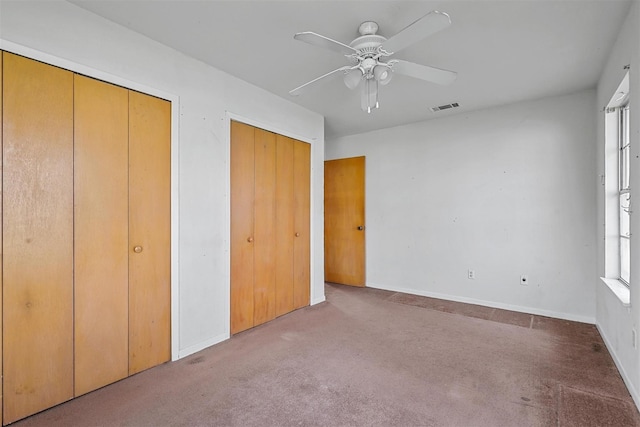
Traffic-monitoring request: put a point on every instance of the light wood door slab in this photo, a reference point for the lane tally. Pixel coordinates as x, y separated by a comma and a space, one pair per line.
38, 236
285, 229
149, 231
264, 286
242, 225
344, 221
1, 55
101, 209
301, 241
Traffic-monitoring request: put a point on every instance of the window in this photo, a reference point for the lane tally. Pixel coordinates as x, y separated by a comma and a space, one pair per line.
617, 193
624, 206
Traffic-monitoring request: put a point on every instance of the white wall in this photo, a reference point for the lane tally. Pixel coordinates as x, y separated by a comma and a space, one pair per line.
504, 191
615, 321
204, 100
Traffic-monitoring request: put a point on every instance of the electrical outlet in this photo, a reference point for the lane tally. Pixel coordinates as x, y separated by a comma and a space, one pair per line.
471, 274
634, 341
524, 280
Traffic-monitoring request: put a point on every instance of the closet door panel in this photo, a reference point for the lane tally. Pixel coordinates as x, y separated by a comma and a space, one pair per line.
264, 286
301, 250
242, 225
1, 55
284, 228
149, 231
101, 233
38, 236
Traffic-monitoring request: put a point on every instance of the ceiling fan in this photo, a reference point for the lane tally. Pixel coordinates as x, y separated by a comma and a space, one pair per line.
368, 57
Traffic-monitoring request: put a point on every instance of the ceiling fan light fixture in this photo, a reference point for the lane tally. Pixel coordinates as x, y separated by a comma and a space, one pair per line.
352, 78
383, 74
369, 99
368, 57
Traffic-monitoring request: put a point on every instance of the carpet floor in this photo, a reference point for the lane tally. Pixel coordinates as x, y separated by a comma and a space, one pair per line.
369, 357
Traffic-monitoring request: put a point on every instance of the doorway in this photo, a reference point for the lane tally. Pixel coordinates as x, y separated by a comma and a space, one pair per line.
344, 221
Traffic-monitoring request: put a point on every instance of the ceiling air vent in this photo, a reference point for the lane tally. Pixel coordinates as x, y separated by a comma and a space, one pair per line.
445, 107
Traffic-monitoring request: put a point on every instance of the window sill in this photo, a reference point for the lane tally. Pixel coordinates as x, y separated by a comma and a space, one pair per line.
619, 289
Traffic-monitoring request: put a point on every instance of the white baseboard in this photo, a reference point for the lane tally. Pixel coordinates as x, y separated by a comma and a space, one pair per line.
623, 373
201, 345
521, 309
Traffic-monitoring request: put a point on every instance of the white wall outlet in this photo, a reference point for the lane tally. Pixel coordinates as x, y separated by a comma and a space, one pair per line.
471, 274
524, 280
634, 341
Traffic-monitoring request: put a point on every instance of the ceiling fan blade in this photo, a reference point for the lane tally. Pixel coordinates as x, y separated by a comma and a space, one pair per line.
423, 72
301, 89
431, 23
326, 42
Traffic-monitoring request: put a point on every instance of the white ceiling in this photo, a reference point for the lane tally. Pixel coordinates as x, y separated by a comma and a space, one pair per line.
504, 51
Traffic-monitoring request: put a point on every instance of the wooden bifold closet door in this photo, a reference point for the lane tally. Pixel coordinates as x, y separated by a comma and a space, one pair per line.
1, 234
101, 227
85, 234
149, 231
37, 178
270, 184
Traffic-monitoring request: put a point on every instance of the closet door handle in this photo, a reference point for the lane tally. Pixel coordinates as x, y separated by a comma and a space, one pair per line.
297, 234
361, 227
137, 249
249, 239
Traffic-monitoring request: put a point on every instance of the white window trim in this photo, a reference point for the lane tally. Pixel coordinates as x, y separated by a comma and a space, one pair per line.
623, 143
611, 184
619, 289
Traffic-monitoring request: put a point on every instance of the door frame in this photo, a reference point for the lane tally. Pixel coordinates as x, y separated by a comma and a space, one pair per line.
175, 196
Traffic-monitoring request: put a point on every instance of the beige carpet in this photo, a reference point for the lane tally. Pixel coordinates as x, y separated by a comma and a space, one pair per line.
375, 358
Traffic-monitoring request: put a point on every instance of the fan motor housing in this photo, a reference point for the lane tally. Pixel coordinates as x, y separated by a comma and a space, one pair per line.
367, 44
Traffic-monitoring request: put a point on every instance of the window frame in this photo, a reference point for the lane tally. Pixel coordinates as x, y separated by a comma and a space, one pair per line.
624, 212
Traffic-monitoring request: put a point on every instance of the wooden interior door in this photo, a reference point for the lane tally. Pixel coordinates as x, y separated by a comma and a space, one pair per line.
285, 229
38, 236
149, 231
101, 285
1, 382
264, 285
270, 215
344, 221
242, 225
301, 245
